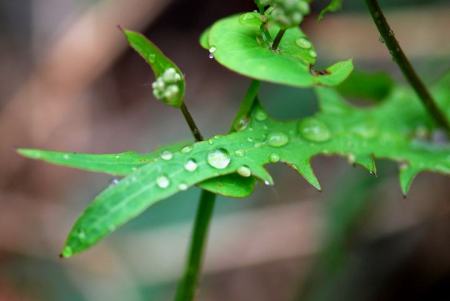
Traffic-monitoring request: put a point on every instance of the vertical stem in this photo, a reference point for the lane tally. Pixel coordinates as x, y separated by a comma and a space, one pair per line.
402, 61
278, 38
192, 270
188, 285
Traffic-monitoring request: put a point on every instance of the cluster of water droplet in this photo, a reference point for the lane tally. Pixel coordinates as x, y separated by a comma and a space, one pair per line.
286, 13
166, 86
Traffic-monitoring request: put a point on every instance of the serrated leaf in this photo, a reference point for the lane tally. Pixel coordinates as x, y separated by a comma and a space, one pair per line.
159, 63
123, 164
237, 44
333, 6
387, 131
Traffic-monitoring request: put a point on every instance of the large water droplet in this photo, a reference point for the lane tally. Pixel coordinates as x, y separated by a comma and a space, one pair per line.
277, 139
274, 158
163, 182
191, 165
219, 158
166, 155
303, 43
244, 171
313, 129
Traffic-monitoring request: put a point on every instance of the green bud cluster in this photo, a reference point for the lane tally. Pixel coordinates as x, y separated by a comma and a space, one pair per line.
286, 13
166, 86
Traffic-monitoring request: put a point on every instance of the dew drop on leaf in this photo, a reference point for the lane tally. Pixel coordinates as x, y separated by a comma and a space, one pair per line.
314, 130
312, 54
183, 186
151, 58
261, 116
219, 158
277, 139
274, 158
244, 171
248, 19
191, 165
186, 149
211, 52
303, 43
239, 153
162, 182
166, 155
66, 157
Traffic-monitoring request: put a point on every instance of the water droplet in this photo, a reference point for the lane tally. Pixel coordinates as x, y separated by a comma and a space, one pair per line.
250, 139
303, 43
312, 54
66, 157
249, 19
219, 158
166, 155
365, 131
162, 182
403, 166
210, 141
240, 152
151, 58
242, 124
183, 186
81, 235
267, 183
191, 165
261, 116
114, 182
186, 149
67, 252
274, 158
211, 52
313, 129
277, 139
244, 171
351, 159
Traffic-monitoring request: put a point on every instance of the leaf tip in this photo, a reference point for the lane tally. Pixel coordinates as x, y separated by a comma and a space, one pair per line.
29, 153
407, 176
66, 252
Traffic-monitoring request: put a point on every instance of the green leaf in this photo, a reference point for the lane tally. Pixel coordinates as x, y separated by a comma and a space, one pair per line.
237, 44
333, 6
388, 131
159, 64
123, 164
371, 86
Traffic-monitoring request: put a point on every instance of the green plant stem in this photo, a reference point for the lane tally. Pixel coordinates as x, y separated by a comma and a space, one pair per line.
278, 38
188, 285
191, 123
402, 61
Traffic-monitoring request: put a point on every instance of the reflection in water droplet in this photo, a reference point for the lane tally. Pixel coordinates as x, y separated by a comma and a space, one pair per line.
303, 43
274, 158
314, 130
166, 155
244, 171
162, 182
191, 165
277, 139
219, 158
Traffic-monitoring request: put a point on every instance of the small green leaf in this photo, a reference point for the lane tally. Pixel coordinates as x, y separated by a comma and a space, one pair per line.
169, 86
333, 6
238, 45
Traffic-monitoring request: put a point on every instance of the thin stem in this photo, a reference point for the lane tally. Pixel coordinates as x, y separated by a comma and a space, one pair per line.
278, 38
402, 61
188, 285
191, 123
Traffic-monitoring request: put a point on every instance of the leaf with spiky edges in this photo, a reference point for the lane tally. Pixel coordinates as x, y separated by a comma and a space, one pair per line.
237, 43
389, 131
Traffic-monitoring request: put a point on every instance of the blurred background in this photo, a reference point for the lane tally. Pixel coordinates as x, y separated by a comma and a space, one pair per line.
69, 82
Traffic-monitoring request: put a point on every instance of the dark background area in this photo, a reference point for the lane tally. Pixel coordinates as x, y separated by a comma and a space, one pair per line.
69, 82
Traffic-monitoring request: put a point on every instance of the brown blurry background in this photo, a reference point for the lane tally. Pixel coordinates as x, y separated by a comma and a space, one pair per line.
69, 82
